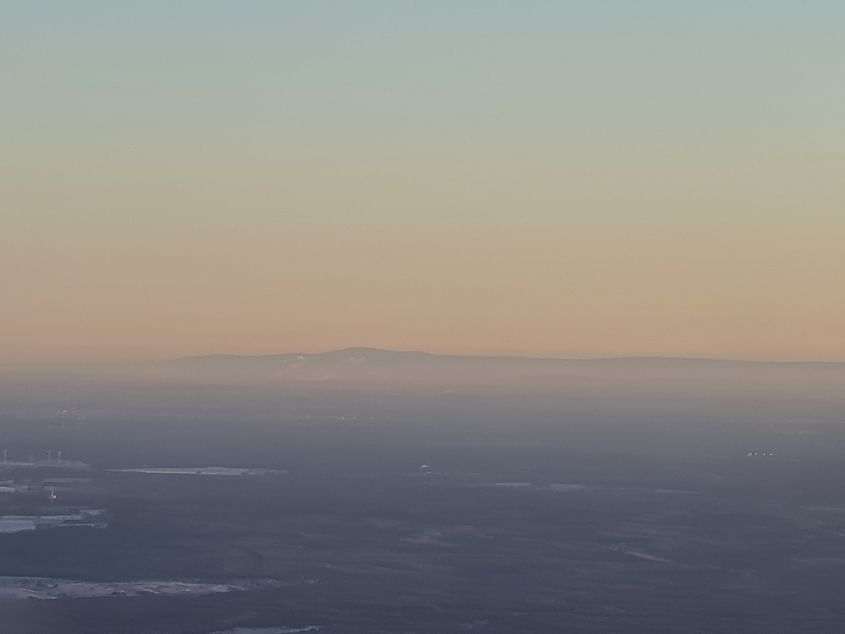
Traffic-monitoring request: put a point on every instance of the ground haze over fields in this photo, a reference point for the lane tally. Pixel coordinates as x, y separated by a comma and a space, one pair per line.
372, 491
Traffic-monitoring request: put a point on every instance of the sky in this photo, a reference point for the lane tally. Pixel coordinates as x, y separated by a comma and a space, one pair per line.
546, 178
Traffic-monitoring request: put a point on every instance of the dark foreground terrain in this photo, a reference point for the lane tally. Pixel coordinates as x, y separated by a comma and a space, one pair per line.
438, 513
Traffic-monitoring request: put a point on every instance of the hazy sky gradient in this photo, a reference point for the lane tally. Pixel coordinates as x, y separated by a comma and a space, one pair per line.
549, 178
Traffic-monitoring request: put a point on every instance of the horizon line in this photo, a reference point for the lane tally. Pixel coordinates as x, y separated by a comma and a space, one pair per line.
529, 357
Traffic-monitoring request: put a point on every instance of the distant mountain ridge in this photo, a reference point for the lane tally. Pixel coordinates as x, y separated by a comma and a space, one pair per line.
384, 356
362, 365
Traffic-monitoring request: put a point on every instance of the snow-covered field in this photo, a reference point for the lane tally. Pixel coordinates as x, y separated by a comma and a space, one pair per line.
54, 588
273, 630
200, 471
91, 518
